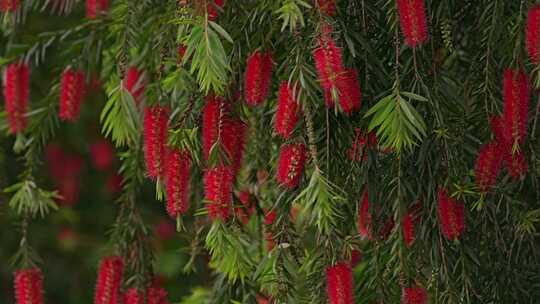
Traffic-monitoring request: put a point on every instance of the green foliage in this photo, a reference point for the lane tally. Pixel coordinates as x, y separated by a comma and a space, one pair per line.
29, 199
120, 118
291, 14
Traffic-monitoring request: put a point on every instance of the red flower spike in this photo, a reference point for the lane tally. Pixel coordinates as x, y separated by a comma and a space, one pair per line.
234, 140
516, 106
407, 226
133, 296
327, 7
155, 139
29, 286
16, 93
292, 158
109, 280
213, 9
258, 77
364, 217
72, 91
532, 33
214, 111
156, 294
7, 6
349, 91
95, 8
329, 63
451, 215
287, 111
412, 17
134, 83
516, 164
497, 127
218, 183
339, 284
488, 165
102, 154
414, 295
177, 180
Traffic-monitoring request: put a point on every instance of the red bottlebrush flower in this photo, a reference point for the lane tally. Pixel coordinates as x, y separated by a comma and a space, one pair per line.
356, 257
516, 164
327, 7
72, 91
155, 139
218, 183
177, 181
233, 138
7, 6
262, 300
532, 33
134, 83
246, 210
214, 112
16, 93
407, 226
349, 91
109, 280
414, 295
213, 9
329, 64
270, 217
497, 127
364, 217
94, 8
516, 105
102, 154
156, 294
258, 77
488, 165
339, 284
412, 17
451, 215
133, 296
287, 111
29, 286
292, 158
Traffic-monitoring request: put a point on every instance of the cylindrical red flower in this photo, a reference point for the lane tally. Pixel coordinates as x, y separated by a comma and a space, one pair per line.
364, 217
451, 215
407, 226
412, 17
16, 93
414, 295
516, 105
7, 6
258, 77
109, 280
218, 184
488, 165
287, 111
102, 154
327, 7
532, 33
155, 139
212, 119
212, 9
133, 296
178, 182
156, 294
292, 158
328, 62
134, 83
94, 8
29, 286
339, 284
233, 139
72, 91
349, 91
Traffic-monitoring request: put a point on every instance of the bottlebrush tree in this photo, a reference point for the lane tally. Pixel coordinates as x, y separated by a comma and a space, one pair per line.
270, 151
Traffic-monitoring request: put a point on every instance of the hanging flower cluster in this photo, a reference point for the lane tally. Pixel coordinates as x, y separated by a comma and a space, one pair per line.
177, 182
134, 83
218, 184
155, 139
7, 6
339, 284
488, 165
72, 91
212, 9
364, 217
409, 222
516, 106
412, 17
16, 94
292, 158
451, 215
109, 280
133, 296
327, 7
414, 295
29, 286
95, 8
287, 111
156, 294
258, 77
532, 33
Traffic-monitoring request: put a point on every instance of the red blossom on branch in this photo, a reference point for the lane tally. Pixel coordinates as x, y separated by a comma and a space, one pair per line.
451, 215
339, 284
292, 158
94, 8
218, 183
407, 226
133, 296
72, 91
488, 165
349, 91
516, 164
414, 295
134, 83
177, 180
7, 6
532, 33
16, 95
516, 105
327, 7
109, 280
364, 217
287, 111
412, 17
155, 294
155, 139
213, 8
258, 77
234, 142
328, 62
29, 286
